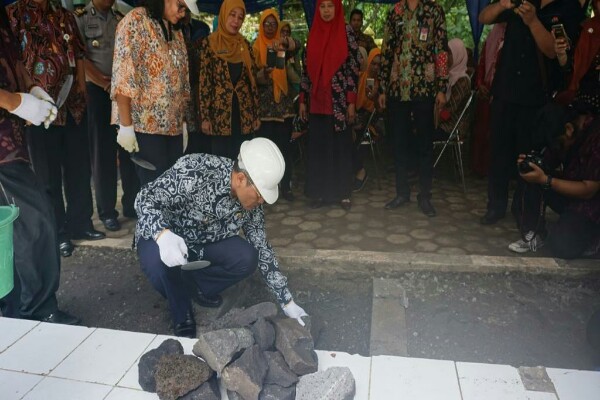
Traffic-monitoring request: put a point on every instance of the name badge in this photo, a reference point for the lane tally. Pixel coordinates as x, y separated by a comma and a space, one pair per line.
423, 33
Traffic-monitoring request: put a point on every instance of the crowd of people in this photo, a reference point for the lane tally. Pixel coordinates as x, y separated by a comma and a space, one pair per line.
201, 125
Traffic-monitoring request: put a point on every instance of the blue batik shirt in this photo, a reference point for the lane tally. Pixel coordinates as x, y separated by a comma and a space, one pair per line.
193, 199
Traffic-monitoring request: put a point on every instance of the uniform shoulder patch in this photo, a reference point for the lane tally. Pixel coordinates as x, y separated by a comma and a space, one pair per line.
79, 12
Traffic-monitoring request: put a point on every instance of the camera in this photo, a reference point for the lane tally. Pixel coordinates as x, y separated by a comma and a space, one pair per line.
533, 157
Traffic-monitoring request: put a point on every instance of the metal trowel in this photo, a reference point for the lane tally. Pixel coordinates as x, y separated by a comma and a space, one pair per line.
142, 163
195, 265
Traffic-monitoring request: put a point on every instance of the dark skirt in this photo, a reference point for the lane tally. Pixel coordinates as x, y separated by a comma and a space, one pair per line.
329, 160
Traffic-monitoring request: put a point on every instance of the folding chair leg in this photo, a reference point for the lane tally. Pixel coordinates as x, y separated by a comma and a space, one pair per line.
375, 162
461, 169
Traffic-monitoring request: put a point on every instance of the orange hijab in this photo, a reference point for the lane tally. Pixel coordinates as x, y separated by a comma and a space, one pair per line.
280, 83
228, 47
327, 48
363, 101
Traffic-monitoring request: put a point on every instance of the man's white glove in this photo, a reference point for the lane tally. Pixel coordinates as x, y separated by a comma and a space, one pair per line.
293, 310
34, 110
42, 95
173, 250
126, 138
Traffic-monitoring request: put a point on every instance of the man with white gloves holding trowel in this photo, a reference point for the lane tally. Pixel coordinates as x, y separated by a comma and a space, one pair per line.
191, 216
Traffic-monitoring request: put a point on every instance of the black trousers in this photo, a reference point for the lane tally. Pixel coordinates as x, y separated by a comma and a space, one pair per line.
63, 151
399, 113
511, 127
103, 153
280, 133
36, 256
572, 234
232, 260
161, 150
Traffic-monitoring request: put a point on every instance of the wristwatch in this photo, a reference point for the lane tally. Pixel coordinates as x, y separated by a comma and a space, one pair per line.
548, 184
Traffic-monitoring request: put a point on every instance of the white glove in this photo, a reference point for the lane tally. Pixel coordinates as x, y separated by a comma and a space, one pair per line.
126, 138
173, 250
34, 110
41, 94
293, 310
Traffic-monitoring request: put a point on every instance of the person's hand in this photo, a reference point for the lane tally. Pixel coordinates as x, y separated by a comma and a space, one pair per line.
536, 176
527, 12
173, 250
293, 310
35, 110
106, 82
126, 138
256, 125
302, 112
351, 113
42, 95
440, 100
506, 4
207, 127
484, 92
381, 101
296, 135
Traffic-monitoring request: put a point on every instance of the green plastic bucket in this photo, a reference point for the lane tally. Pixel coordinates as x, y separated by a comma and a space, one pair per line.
8, 214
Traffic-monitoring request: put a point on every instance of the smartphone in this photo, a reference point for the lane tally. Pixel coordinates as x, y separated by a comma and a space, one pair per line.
560, 33
371, 83
271, 58
280, 61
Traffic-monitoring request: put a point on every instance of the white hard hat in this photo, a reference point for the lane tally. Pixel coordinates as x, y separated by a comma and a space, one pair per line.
193, 7
263, 162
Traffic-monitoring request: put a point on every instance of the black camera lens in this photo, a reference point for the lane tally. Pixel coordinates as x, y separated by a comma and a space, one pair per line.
524, 167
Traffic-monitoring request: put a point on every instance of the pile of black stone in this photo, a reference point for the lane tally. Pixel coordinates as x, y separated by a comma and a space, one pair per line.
257, 354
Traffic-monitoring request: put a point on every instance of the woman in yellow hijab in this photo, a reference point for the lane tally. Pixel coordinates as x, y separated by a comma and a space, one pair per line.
276, 100
228, 93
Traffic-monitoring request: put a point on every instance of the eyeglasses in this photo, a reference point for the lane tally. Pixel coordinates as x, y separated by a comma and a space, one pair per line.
256, 190
270, 24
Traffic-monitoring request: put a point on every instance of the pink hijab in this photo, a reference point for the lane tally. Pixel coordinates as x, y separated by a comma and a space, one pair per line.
459, 63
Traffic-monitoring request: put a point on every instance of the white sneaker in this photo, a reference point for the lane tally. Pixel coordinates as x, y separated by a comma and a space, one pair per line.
531, 243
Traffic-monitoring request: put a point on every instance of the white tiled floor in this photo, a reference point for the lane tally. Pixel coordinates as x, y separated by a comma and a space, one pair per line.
12, 330
104, 356
14, 385
575, 385
43, 348
413, 378
490, 382
76, 357
65, 389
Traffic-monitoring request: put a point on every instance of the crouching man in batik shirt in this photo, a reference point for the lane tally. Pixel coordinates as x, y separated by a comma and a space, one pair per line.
195, 211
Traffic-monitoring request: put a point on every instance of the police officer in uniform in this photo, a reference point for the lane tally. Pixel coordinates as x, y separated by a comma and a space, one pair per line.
97, 23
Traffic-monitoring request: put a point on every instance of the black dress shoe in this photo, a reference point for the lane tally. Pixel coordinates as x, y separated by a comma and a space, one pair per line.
111, 224
396, 202
206, 301
359, 184
90, 234
60, 317
491, 217
66, 247
318, 203
427, 208
187, 328
288, 195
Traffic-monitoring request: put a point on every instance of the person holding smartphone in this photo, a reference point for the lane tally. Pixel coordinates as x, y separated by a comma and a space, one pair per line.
275, 98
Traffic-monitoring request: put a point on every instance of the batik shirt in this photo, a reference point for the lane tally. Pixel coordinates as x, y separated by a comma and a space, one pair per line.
193, 199
415, 52
12, 135
153, 73
47, 38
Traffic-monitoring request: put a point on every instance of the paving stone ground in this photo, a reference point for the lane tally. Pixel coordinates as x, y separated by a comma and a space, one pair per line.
369, 227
